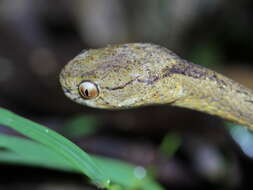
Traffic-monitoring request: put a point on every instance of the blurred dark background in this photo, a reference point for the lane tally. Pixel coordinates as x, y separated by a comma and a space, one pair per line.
187, 149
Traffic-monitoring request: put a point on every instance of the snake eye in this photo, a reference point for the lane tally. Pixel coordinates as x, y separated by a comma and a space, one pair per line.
88, 90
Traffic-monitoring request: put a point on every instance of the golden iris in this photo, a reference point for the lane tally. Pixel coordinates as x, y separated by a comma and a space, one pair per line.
88, 90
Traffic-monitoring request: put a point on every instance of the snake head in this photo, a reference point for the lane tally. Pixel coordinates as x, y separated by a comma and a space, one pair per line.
120, 76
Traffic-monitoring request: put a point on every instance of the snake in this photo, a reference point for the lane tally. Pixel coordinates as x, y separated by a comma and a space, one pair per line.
125, 76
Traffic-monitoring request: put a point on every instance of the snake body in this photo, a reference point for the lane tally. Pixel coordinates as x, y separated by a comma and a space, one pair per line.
139, 74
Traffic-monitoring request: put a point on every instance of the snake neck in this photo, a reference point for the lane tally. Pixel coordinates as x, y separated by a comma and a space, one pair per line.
218, 95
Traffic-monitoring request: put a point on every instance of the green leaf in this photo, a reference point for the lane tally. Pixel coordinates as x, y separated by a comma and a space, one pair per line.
27, 152
68, 150
24, 151
127, 174
54, 151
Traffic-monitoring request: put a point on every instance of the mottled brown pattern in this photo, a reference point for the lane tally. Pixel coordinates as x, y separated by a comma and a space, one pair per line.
187, 69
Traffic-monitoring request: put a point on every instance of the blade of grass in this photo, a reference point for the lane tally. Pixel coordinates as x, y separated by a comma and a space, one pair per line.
73, 154
36, 153
14, 158
126, 174
24, 152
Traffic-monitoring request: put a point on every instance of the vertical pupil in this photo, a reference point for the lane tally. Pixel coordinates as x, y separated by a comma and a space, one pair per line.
86, 92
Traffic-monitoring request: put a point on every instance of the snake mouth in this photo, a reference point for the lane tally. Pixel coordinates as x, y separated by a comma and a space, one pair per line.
66, 90
70, 95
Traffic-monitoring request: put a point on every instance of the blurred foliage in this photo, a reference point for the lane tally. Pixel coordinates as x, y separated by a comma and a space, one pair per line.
170, 144
80, 125
207, 55
243, 137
